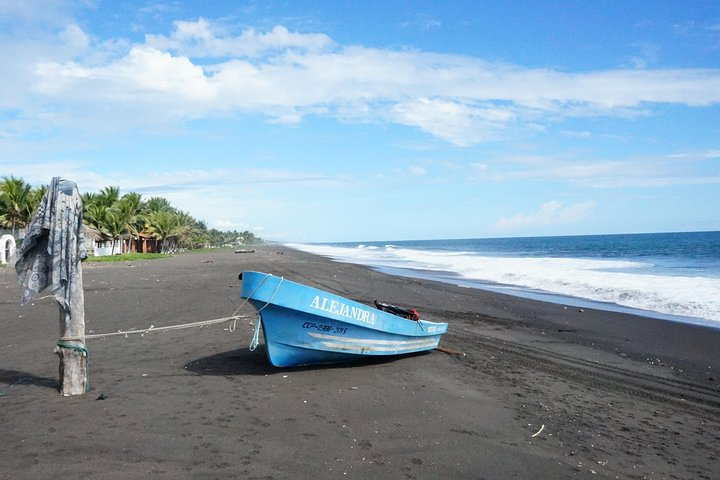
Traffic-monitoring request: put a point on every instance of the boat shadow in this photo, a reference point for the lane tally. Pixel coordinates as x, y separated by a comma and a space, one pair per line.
244, 362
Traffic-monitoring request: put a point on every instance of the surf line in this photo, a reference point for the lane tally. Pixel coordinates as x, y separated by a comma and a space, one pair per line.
342, 309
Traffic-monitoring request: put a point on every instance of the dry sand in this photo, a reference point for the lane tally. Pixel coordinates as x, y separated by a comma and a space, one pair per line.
611, 395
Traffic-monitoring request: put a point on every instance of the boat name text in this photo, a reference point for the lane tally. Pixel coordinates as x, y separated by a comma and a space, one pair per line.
344, 310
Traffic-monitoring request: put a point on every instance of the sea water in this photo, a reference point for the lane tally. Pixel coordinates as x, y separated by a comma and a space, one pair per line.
675, 276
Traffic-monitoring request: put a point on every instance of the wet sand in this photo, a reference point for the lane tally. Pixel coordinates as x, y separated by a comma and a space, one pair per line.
611, 395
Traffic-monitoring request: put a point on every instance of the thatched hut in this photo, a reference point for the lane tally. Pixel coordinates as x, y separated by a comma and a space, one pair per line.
96, 242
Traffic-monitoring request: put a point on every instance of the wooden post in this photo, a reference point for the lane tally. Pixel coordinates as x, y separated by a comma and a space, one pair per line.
73, 370
74, 355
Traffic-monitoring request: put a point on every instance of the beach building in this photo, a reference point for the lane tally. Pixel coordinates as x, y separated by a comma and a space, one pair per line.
144, 243
101, 245
7, 248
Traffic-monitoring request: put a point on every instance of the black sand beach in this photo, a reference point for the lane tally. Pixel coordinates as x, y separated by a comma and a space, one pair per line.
542, 391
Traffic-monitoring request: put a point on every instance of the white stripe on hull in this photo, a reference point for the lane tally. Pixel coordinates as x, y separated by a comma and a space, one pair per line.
371, 341
374, 348
366, 344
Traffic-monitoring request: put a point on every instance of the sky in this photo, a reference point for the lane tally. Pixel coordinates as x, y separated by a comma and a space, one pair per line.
330, 121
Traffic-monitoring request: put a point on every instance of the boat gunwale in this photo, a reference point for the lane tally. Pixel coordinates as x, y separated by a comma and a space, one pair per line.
263, 289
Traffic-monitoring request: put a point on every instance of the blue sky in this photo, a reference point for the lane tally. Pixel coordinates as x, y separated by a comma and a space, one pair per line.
375, 120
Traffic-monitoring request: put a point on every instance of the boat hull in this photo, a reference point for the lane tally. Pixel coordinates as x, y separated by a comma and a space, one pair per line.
304, 325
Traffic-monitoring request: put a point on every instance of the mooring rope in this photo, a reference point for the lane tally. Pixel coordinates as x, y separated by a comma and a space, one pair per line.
153, 328
256, 333
202, 323
5, 391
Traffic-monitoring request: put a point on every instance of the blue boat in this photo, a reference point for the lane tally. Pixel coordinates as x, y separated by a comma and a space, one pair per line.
305, 326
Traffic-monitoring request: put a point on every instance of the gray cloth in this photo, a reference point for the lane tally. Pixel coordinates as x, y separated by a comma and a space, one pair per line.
54, 246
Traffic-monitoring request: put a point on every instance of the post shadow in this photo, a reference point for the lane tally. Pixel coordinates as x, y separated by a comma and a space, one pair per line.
17, 377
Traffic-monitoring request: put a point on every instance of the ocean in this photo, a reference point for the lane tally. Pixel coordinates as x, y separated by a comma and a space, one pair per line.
673, 276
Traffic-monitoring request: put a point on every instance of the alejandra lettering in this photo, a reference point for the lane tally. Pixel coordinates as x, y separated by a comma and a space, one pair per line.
342, 309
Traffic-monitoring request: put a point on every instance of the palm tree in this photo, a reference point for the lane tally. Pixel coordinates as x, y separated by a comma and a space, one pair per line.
36, 197
159, 204
248, 238
202, 236
15, 199
164, 225
95, 214
133, 199
130, 208
190, 232
215, 237
89, 198
108, 196
114, 226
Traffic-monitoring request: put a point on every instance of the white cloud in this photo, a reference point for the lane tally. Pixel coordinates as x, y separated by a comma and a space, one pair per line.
685, 168
576, 134
550, 213
697, 155
202, 38
455, 122
36, 173
75, 37
649, 53
143, 71
160, 183
31, 16
422, 21
204, 70
649, 171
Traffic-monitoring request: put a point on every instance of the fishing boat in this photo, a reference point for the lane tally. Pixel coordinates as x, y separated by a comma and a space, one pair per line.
303, 325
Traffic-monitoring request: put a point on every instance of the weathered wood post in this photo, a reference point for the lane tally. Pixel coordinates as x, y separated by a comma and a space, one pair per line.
71, 348
50, 256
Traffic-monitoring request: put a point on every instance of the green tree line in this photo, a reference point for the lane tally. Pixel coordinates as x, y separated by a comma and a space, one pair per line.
120, 217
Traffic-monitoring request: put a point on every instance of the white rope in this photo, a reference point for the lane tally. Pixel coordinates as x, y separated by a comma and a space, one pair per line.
202, 323
153, 328
256, 333
277, 287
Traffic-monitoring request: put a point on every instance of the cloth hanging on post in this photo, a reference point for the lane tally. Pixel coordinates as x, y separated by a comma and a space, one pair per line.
54, 246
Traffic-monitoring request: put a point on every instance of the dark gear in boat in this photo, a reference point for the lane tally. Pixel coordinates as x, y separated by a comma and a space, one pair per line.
409, 313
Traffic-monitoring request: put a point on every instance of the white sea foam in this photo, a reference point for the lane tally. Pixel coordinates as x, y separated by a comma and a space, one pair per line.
619, 282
